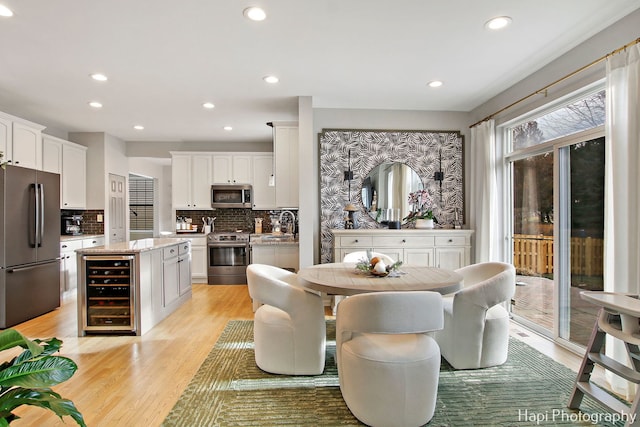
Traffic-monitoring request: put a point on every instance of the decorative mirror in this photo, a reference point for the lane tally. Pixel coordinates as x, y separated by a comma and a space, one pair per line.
385, 191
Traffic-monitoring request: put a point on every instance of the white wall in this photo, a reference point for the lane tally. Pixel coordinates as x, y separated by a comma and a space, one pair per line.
95, 166
617, 35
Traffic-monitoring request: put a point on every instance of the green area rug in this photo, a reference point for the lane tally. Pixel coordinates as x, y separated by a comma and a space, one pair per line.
229, 390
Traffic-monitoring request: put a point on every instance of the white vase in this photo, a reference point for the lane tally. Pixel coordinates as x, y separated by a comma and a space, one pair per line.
424, 223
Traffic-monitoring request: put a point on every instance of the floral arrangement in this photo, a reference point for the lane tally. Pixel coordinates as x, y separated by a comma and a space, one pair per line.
422, 204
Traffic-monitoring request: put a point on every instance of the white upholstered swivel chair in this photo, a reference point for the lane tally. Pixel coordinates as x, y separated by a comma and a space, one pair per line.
289, 328
476, 325
357, 257
388, 364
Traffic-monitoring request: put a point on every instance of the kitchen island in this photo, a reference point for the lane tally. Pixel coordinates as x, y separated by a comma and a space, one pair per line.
129, 287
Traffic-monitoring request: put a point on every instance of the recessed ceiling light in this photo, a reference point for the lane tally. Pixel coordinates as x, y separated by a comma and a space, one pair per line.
95, 104
227, 128
208, 105
99, 77
5, 11
271, 79
138, 127
254, 13
497, 23
435, 83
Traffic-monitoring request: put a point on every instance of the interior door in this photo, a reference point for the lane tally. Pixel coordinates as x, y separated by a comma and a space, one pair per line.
117, 208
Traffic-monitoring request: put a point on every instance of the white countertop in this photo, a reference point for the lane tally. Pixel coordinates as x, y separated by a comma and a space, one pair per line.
267, 239
65, 237
132, 246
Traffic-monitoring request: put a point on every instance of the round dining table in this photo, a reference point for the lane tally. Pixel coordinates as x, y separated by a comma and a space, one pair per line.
343, 278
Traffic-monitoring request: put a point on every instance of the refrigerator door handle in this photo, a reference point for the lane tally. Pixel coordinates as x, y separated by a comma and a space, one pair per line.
41, 214
29, 267
33, 228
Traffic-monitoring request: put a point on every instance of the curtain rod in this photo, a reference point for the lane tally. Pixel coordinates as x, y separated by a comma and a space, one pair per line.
568, 76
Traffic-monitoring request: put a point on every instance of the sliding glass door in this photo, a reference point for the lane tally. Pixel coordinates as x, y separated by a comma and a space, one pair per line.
556, 192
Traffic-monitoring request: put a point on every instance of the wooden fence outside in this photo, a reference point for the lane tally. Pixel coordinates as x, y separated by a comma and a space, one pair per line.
533, 254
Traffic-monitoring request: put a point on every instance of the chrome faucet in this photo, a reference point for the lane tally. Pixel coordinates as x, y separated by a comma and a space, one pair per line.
293, 221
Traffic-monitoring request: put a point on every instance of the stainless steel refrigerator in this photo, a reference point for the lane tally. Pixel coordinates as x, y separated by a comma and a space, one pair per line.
29, 251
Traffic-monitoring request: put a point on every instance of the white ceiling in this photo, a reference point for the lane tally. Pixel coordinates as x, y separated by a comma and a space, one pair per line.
165, 58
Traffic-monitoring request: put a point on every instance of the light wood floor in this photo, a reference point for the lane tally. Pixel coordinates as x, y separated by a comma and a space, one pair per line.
135, 381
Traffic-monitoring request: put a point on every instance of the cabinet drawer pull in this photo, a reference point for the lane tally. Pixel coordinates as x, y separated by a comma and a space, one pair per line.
355, 241
450, 240
404, 241
64, 246
172, 251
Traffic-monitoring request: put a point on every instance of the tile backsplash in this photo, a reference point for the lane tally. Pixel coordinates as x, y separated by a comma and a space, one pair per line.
90, 224
233, 218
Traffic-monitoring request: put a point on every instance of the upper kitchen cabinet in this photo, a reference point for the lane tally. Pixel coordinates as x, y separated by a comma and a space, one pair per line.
232, 169
191, 180
285, 151
70, 161
264, 195
21, 142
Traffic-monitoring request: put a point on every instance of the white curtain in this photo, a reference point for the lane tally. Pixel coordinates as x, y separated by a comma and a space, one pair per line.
483, 201
622, 191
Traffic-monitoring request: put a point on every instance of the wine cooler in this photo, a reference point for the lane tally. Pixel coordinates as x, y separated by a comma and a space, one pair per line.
108, 294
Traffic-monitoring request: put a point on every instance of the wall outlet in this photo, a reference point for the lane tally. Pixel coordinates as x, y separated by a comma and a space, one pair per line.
99, 218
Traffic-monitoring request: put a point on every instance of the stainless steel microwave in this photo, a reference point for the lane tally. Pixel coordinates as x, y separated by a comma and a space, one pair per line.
231, 196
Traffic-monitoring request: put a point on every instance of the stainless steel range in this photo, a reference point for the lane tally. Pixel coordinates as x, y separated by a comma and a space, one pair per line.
228, 255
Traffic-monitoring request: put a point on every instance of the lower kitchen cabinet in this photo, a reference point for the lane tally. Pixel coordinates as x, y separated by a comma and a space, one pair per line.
281, 255
450, 249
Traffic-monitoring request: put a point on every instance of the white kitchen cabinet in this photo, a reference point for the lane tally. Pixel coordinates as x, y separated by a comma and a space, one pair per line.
74, 176
285, 151
232, 169
6, 138
450, 249
176, 267
283, 255
52, 156
170, 275
264, 195
27, 145
198, 259
184, 268
70, 161
191, 181
20, 142
69, 264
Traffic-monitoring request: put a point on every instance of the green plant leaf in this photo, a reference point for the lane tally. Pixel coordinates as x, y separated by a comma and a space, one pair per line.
43, 398
10, 338
37, 373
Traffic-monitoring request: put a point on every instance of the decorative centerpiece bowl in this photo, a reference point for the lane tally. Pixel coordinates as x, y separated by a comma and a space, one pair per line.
375, 266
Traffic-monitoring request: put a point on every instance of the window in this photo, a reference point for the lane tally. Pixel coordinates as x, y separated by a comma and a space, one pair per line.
140, 203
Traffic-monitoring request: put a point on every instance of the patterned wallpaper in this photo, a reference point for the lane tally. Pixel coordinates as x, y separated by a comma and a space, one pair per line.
419, 149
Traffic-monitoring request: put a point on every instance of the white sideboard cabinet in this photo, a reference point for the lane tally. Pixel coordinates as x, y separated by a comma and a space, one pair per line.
450, 249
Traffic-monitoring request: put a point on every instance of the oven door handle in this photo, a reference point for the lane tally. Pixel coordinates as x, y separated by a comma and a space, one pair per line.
228, 245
